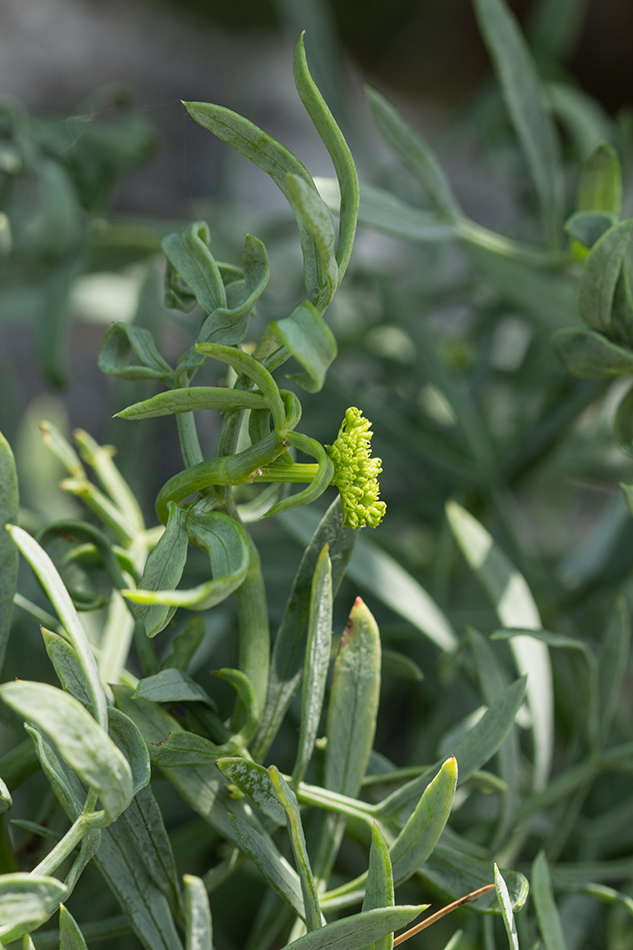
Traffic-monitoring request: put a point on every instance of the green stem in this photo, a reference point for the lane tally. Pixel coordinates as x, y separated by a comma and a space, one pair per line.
189, 442
474, 233
68, 843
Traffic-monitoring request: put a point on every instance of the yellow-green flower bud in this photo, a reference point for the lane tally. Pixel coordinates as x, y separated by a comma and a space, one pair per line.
356, 472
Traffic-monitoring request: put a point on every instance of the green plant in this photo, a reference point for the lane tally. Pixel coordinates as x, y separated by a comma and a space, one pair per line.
485, 443
96, 737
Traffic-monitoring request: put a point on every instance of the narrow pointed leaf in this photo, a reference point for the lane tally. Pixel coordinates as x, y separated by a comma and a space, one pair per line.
600, 187
185, 646
379, 889
600, 275
317, 659
172, 686
287, 656
129, 740
81, 742
192, 399
199, 932
382, 211
8, 550
269, 155
338, 149
359, 930
506, 909
515, 607
52, 583
520, 86
374, 570
318, 221
270, 863
545, 906
353, 706
414, 153
613, 662
455, 873
297, 839
163, 570
70, 936
421, 833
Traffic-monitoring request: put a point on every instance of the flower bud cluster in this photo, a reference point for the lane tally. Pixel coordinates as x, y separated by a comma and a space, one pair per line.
356, 472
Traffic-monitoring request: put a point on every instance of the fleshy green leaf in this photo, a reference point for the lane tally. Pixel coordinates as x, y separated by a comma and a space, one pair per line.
545, 907
254, 781
287, 656
600, 275
70, 936
127, 737
381, 211
8, 550
273, 158
414, 153
455, 873
146, 827
185, 646
587, 227
421, 833
130, 352
81, 742
227, 545
50, 580
309, 339
270, 863
297, 839
353, 706
26, 901
379, 889
316, 663
318, 221
192, 274
5, 798
183, 748
244, 689
358, 930
172, 686
192, 399
199, 933
162, 572
339, 153
520, 86
613, 657
229, 325
515, 607
118, 858
600, 187
506, 909
591, 355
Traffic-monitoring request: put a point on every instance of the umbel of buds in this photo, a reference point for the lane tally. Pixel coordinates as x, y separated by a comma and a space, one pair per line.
356, 472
